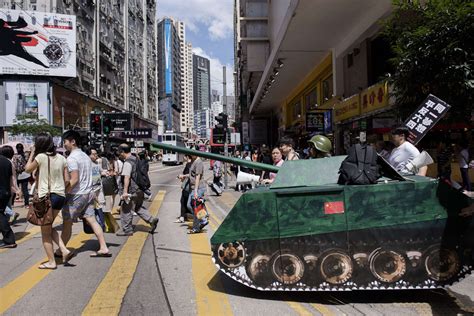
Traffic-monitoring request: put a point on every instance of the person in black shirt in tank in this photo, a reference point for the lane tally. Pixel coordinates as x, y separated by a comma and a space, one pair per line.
6, 183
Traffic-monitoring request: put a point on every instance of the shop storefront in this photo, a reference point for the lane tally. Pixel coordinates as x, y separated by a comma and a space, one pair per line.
308, 110
370, 111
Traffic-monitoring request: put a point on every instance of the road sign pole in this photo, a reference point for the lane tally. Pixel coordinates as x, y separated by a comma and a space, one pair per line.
102, 131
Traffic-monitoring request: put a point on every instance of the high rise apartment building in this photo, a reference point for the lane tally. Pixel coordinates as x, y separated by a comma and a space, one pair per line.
187, 112
116, 51
201, 82
169, 74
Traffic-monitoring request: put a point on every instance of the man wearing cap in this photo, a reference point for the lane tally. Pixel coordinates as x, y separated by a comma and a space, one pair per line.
319, 147
132, 196
404, 151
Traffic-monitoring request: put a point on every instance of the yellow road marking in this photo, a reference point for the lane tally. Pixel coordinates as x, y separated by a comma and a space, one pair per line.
212, 215
322, 309
30, 233
299, 309
108, 297
17, 288
208, 302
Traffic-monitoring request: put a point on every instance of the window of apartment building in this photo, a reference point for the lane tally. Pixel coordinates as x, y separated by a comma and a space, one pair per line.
311, 99
327, 88
296, 110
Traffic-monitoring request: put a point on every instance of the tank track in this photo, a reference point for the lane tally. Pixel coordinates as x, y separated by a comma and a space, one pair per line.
315, 263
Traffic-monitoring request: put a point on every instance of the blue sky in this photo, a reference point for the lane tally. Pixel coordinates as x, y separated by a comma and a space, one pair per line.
209, 27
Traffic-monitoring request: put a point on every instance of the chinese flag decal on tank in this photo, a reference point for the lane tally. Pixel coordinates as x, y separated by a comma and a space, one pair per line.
334, 207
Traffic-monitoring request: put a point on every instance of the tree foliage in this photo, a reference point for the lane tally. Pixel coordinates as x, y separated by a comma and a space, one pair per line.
432, 43
32, 126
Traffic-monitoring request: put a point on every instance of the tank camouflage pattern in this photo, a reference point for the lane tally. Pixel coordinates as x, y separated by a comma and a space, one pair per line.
307, 233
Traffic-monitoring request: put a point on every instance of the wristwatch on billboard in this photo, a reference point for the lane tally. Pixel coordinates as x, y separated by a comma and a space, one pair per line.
57, 51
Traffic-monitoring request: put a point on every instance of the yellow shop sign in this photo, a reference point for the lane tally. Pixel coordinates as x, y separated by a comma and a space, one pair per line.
374, 98
348, 108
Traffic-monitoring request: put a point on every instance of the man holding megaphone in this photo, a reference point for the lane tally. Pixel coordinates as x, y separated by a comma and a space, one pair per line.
405, 157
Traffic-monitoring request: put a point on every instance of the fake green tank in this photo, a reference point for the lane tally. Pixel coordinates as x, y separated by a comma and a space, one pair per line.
307, 233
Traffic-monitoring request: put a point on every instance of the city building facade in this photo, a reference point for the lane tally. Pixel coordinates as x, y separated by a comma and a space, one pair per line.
203, 122
169, 74
201, 83
115, 60
291, 72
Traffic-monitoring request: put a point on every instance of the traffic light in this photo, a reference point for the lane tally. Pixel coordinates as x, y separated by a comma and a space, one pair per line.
107, 125
95, 124
221, 121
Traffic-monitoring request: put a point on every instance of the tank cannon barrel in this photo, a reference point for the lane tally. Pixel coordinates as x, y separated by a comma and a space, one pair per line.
235, 161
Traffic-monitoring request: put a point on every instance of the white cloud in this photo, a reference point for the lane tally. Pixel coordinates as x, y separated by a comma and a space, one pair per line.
216, 72
216, 15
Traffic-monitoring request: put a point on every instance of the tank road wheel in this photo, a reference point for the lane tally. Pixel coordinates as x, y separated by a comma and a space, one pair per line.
441, 264
335, 266
231, 254
258, 269
287, 268
387, 265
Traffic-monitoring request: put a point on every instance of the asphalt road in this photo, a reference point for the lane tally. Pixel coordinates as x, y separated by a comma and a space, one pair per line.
172, 273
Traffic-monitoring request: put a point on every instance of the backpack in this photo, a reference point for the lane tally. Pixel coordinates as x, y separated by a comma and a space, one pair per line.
141, 175
20, 164
360, 166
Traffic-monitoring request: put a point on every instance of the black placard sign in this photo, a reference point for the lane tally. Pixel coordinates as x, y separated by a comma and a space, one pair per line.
120, 121
425, 117
315, 121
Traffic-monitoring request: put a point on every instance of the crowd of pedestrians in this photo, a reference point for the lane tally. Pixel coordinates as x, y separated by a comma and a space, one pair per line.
82, 184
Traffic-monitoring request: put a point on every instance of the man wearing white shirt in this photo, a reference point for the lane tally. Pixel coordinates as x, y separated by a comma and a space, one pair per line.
404, 151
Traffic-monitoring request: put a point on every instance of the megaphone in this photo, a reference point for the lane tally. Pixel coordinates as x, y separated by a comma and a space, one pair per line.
247, 178
423, 159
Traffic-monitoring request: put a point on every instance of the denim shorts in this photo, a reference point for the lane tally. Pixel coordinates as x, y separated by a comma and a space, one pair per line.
57, 201
79, 206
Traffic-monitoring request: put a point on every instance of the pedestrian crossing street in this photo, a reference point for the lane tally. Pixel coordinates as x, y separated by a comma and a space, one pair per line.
104, 292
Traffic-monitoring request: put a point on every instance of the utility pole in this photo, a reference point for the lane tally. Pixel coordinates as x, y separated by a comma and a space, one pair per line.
226, 146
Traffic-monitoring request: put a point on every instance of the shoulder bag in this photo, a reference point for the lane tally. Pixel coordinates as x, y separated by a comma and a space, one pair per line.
41, 212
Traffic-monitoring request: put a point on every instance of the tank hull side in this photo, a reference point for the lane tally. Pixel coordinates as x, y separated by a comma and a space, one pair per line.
391, 257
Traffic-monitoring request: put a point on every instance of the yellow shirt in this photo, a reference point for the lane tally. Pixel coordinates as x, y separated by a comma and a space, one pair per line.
57, 165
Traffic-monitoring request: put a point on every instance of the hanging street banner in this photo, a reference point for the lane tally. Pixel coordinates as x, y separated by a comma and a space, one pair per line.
37, 43
425, 117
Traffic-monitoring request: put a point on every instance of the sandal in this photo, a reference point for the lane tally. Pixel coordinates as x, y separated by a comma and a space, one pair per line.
101, 255
68, 257
43, 266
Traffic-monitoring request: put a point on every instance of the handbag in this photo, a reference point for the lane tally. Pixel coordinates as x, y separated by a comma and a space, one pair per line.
109, 185
40, 212
199, 208
99, 217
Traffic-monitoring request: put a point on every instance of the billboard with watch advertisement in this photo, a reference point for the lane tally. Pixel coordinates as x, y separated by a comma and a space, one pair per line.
37, 43
26, 98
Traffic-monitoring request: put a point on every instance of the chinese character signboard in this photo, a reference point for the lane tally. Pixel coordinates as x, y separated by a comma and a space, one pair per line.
348, 108
374, 98
425, 117
315, 122
37, 43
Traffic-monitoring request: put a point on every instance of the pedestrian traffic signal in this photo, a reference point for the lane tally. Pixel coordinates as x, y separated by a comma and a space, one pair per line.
95, 123
107, 126
221, 121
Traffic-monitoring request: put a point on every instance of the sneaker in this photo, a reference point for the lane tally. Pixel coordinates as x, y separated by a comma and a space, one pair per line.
153, 224
123, 234
134, 213
6, 246
179, 220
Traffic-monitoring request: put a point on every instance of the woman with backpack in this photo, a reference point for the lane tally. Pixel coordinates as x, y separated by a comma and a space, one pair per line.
52, 177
